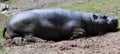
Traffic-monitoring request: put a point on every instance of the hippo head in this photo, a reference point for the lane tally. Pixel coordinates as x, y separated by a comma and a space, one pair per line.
104, 23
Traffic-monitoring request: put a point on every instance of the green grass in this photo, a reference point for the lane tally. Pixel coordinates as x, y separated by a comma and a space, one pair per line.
8, 1
94, 6
1, 37
4, 50
3, 20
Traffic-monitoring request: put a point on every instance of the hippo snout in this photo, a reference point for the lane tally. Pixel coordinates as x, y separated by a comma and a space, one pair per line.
113, 23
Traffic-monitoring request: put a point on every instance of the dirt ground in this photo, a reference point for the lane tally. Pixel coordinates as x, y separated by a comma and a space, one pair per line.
102, 44
33, 4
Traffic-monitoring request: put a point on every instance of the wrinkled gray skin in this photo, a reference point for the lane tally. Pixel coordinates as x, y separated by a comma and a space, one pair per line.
57, 24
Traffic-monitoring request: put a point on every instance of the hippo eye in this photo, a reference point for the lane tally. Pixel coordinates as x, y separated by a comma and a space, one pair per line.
104, 17
95, 16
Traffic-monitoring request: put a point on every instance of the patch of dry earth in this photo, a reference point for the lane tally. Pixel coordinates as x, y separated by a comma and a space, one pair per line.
104, 44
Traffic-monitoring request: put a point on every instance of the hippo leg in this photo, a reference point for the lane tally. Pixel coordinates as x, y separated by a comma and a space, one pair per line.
32, 38
78, 32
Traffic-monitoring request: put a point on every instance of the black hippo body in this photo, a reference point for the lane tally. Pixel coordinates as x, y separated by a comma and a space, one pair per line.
56, 24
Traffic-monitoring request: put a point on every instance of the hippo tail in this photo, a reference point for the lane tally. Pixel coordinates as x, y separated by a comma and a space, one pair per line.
4, 30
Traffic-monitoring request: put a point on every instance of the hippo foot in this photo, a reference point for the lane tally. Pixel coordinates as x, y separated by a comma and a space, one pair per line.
38, 40
78, 35
31, 38
79, 32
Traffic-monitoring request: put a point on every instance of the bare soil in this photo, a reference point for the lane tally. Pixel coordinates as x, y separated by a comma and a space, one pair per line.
33, 4
101, 44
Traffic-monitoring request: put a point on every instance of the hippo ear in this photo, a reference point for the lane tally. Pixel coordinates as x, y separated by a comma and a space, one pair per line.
95, 16
104, 17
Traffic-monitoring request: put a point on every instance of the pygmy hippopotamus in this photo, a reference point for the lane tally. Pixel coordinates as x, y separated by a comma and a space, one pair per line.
40, 25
